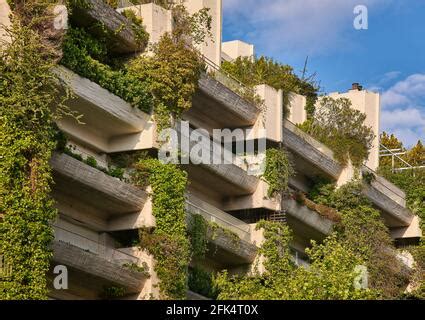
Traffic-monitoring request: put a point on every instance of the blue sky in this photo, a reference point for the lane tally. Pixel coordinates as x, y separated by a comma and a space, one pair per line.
388, 57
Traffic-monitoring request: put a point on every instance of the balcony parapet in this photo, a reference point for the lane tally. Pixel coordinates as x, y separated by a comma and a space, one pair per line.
122, 38
105, 265
311, 150
220, 103
95, 188
106, 119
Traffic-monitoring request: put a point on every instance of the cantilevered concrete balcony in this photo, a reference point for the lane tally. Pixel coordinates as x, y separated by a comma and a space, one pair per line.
306, 223
230, 244
92, 267
224, 179
389, 199
311, 157
216, 106
109, 124
84, 192
121, 37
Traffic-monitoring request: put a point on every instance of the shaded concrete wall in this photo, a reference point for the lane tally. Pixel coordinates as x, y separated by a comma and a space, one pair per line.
4, 20
297, 113
156, 19
212, 47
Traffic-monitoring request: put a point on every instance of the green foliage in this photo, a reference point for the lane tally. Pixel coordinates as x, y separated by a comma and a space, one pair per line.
413, 184
173, 74
27, 138
264, 70
113, 292
168, 242
418, 278
202, 282
277, 172
342, 129
84, 54
144, 268
331, 274
140, 34
198, 235
364, 232
174, 70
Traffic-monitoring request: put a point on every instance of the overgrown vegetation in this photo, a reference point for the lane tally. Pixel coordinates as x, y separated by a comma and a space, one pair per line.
87, 56
263, 70
202, 282
168, 242
342, 129
277, 172
28, 89
175, 67
331, 275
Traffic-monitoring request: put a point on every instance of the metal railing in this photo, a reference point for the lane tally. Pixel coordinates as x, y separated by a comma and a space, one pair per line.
225, 220
395, 154
92, 246
231, 82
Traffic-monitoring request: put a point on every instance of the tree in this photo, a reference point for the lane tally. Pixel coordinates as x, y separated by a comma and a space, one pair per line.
416, 155
332, 273
264, 70
391, 142
342, 129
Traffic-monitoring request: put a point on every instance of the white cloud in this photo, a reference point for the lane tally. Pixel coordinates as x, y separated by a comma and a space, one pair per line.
307, 26
403, 111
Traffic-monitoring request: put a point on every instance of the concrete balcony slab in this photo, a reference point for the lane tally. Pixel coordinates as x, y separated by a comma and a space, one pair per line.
122, 38
228, 250
225, 179
105, 117
216, 106
81, 183
305, 222
394, 214
311, 158
90, 273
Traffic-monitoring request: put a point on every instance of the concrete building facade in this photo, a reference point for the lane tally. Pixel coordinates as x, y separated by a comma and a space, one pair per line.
95, 209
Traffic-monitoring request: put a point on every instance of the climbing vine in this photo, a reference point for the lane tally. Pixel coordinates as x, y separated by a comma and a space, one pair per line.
27, 138
278, 171
168, 242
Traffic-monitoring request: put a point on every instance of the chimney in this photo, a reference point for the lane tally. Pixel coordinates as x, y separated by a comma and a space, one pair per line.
356, 86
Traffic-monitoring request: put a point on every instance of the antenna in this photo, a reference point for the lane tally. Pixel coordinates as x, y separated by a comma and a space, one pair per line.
305, 68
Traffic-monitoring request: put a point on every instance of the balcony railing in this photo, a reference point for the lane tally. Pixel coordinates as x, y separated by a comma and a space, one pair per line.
89, 245
386, 187
225, 220
231, 82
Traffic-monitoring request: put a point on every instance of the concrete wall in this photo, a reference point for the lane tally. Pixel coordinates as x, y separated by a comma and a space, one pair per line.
297, 113
231, 50
369, 103
156, 19
212, 47
4, 19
